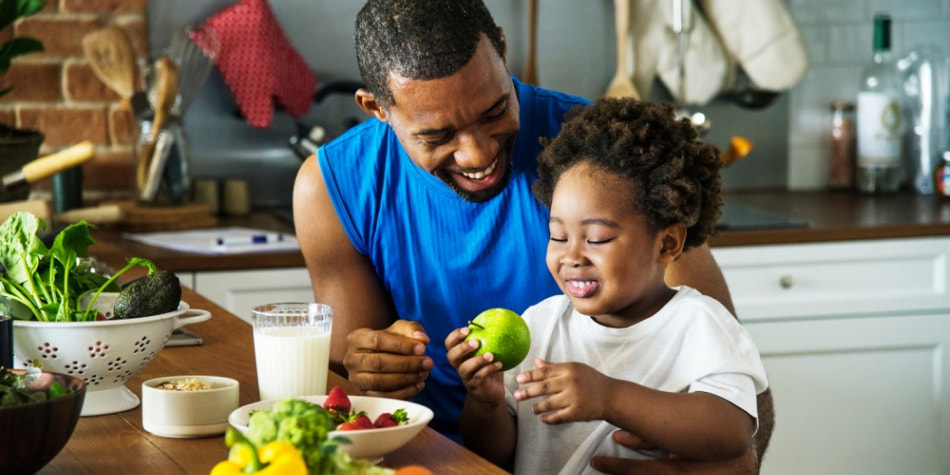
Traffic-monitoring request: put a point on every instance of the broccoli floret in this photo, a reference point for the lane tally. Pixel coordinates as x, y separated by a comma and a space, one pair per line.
302, 423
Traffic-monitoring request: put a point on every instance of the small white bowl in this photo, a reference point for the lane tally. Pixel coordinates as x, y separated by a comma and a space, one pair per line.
188, 413
371, 444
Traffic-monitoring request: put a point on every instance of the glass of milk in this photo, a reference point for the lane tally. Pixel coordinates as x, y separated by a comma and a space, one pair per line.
292, 348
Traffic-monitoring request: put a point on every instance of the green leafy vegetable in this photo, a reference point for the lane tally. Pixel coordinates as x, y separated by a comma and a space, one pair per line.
45, 284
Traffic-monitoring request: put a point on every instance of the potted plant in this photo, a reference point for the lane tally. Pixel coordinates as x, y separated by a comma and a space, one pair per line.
17, 146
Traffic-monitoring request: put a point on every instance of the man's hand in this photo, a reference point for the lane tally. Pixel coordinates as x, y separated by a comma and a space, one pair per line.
388, 363
747, 464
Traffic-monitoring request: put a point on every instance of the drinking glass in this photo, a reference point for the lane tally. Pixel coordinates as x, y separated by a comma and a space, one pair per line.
292, 348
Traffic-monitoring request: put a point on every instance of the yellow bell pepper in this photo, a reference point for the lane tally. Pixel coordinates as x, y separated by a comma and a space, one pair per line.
275, 458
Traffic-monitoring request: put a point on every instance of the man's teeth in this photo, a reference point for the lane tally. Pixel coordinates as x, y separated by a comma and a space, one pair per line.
481, 173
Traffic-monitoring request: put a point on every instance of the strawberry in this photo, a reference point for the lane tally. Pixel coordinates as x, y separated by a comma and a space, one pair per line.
387, 419
360, 422
337, 400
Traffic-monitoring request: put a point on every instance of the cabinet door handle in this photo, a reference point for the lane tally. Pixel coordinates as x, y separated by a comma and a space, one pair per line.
785, 281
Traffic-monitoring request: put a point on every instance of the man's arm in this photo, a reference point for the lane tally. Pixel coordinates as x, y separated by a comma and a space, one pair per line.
341, 276
698, 269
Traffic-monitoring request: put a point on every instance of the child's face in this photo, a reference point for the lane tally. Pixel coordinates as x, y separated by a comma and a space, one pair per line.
601, 253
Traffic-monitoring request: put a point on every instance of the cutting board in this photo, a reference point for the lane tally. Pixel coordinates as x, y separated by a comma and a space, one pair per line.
39, 208
138, 217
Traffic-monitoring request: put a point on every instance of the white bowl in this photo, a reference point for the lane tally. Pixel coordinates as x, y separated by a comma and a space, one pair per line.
188, 413
370, 444
103, 353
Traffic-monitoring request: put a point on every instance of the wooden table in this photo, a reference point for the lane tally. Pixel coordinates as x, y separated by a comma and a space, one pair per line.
117, 443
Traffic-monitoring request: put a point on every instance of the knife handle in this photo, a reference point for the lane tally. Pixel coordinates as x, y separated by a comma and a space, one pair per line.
56, 162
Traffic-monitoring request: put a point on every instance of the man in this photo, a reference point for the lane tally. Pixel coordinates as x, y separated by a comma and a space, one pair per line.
416, 220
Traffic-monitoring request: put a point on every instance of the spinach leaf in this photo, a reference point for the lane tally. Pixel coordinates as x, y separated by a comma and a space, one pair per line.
48, 282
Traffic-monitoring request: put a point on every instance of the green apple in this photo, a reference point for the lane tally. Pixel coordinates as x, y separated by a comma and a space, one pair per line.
503, 333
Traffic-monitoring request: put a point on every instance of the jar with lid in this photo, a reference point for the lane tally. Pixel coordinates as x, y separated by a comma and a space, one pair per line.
842, 149
942, 176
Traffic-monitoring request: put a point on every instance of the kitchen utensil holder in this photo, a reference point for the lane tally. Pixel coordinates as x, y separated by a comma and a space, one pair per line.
167, 180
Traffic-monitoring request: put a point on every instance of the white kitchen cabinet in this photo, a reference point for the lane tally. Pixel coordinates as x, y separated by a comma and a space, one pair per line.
240, 291
855, 337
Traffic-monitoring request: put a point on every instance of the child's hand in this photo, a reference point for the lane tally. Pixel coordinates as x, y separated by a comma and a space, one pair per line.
576, 392
481, 375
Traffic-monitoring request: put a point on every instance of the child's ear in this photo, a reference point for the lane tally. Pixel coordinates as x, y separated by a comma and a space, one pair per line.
671, 239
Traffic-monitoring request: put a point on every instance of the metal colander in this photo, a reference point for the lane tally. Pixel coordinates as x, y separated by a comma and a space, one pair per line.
103, 353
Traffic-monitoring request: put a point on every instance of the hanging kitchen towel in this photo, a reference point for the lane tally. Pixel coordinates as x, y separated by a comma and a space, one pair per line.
259, 63
707, 65
761, 37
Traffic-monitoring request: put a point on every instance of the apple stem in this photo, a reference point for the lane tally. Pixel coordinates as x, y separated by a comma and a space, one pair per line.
477, 325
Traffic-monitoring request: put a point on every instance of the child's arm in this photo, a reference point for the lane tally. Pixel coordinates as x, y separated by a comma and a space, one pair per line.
487, 427
693, 425
489, 430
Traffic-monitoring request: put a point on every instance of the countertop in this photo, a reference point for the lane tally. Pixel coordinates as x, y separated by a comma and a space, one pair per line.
800, 217
839, 216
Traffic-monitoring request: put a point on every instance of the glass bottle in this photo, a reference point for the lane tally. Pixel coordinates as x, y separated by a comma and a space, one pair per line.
880, 117
842, 155
924, 71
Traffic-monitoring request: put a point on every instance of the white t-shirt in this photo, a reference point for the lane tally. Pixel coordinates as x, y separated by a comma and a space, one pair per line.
692, 344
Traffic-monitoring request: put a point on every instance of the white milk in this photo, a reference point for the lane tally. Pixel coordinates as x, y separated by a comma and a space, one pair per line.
291, 361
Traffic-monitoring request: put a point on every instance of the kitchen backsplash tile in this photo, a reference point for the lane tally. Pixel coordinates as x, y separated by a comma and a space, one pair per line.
907, 10
811, 165
847, 44
825, 11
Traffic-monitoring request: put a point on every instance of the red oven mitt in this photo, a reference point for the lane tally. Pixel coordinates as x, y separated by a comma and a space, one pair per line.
259, 63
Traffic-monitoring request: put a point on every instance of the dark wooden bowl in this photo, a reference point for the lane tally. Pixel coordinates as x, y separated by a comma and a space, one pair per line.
32, 434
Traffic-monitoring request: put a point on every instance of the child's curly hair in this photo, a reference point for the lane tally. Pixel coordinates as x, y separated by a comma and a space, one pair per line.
673, 177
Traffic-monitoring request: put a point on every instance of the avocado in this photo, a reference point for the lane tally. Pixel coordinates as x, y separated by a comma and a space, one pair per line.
153, 294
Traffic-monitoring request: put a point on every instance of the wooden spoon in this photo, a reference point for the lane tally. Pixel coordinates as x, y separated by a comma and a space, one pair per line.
622, 83
530, 74
111, 56
166, 88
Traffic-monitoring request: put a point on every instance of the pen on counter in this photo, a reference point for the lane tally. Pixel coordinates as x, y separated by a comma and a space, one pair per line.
268, 238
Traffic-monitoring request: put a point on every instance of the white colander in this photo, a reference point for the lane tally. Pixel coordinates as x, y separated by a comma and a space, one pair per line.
103, 353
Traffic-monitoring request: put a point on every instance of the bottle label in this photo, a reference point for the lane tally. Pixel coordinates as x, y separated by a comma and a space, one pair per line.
879, 129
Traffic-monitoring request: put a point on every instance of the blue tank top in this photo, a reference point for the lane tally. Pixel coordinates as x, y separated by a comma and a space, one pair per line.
443, 259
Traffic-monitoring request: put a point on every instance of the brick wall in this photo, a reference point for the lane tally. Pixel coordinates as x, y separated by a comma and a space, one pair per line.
57, 93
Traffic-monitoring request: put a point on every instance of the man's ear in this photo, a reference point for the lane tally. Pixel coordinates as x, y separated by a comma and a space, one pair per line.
367, 101
504, 45
671, 241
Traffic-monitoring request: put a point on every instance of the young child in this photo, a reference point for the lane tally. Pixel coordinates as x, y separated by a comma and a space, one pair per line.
629, 189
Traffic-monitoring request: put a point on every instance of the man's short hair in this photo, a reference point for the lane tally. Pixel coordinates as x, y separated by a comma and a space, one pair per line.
419, 39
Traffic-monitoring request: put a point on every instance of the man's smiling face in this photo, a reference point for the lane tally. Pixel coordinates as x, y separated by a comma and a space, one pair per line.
461, 128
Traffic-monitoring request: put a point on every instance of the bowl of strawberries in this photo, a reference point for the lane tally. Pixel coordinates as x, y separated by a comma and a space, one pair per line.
372, 426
